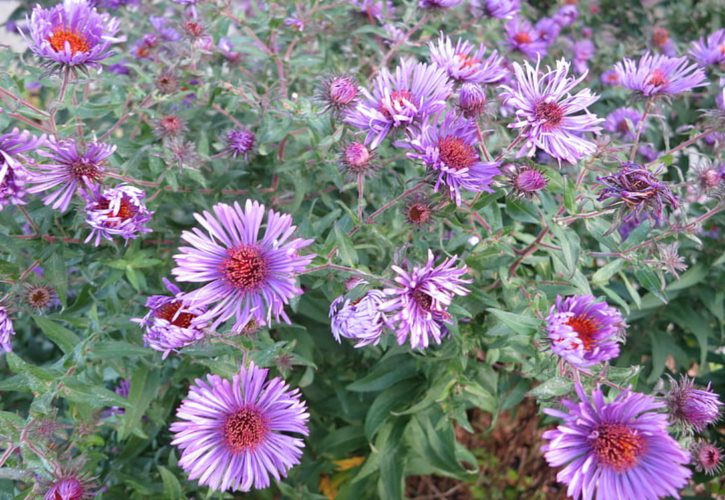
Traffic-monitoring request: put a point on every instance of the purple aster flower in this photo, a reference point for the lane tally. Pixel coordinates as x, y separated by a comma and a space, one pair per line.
234, 434
498, 9
638, 192
70, 169
583, 51
227, 50
566, 15
68, 488
400, 100
247, 278
438, 4
471, 100
619, 449
707, 457
374, 9
295, 23
661, 39
122, 389
13, 174
120, 68
338, 92
72, 34
525, 181
690, 407
546, 112
6, 330
447, 145
611, 77
160, 24
710, 50
118, 211
117, 4
523, 37
548, 30
419, 305
583, 331
240, 141
172, 322
623, 122
656, 75
360, 320
463, 66
648, 152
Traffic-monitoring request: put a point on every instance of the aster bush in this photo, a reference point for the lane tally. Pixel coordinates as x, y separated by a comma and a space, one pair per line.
362, 249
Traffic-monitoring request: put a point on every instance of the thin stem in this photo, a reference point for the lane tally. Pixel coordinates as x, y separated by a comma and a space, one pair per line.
31, 222
23, 102
396, 46
683, 145
481, 143
227, 114
371, 218
640, 127
360, 196
508, 148
61, 97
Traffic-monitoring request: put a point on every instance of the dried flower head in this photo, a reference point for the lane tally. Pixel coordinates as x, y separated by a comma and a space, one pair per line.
40, 297
707, 457
419, 211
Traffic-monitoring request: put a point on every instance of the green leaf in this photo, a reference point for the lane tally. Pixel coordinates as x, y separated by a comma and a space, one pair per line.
95, 396
649, 279
695, 323
144, 389
386, 373
172, 487
605, 273
110, 349
59, 335
394, 397
552, 388
520, 323
57, 274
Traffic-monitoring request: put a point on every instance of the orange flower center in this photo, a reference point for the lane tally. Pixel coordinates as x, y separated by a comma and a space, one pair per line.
398, 99
550, 113
244, 429
618, 446
657, 78
465, 61
522, 37
75, 40
125, 209
246, 267
168, 312
585, 328
456, 154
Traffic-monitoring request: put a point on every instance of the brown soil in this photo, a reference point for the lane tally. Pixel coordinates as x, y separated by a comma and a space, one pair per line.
512, 445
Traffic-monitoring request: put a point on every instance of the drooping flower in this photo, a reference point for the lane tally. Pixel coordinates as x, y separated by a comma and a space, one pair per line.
523, 37
401, 100
419, 304
709, 50
71, 167
172, 322
690, 407
360, 320
72, 34
6, 330
584, 331
619, 449
464, 66
547, 114
117, 211
471, 100
438, 4
338, 92
638, 192
13, 172
624, 122
525, 181
246, 277
498, 9
657, 75
239, 142
707, 457
234, 434
447, 145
